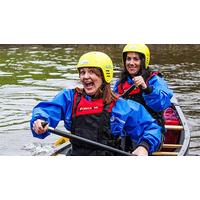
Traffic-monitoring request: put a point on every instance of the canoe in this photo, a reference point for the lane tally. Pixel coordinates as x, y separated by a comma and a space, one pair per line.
176, 138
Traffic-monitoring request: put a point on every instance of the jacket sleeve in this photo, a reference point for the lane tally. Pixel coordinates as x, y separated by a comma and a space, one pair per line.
53, 111
142, 128
115, 88
159, 97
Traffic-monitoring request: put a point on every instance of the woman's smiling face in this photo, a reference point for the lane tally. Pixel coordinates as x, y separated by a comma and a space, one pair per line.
90, 79
133, 63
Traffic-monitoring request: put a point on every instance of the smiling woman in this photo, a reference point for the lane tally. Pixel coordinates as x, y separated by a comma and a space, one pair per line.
96, 113
91, 80
96, 76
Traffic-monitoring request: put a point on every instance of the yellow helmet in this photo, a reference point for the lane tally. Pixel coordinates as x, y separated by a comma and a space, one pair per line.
98, 60
140, 48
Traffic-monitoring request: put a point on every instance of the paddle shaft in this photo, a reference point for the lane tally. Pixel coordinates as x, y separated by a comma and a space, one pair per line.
90, 142
126, 93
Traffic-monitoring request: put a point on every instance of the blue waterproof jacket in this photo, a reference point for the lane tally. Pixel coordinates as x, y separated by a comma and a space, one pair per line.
127, 118
159, 98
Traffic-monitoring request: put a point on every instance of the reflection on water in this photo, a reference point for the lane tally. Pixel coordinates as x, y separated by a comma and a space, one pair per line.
31, 73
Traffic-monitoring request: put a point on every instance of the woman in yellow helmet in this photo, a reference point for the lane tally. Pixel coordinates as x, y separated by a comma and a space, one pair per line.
96, 113
149, 88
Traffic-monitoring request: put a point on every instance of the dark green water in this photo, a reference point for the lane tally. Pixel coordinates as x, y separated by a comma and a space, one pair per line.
31, 73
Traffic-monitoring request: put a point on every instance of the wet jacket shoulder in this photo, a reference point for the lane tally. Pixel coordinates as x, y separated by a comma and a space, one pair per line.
60, 108
159, 97
136, 122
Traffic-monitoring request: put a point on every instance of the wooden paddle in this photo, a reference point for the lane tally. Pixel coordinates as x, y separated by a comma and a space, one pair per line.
87, 141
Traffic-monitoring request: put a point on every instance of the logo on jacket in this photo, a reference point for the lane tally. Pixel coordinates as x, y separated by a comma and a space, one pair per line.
89, 108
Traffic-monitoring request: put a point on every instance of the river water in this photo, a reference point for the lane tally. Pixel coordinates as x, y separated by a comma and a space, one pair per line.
33, 73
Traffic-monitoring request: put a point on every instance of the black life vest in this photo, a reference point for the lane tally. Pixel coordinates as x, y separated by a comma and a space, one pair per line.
91, 120
136, 95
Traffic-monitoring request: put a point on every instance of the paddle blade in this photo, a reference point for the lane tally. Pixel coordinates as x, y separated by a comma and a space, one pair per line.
61, 141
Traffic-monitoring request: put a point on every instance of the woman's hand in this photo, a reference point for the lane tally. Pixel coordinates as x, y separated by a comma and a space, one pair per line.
139, 81
140, 151
38, 128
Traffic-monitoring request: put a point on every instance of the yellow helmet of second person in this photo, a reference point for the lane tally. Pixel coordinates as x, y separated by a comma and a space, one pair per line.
99, 60
139, 48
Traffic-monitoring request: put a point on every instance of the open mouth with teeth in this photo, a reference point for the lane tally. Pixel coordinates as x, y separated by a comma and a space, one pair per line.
88, 85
